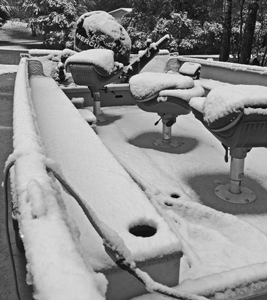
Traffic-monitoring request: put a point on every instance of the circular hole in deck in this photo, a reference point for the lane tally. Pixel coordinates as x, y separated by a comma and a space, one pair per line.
143, 230
174, 195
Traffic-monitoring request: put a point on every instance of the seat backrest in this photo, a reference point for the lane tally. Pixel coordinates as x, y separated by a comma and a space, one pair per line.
94, 68
190, 69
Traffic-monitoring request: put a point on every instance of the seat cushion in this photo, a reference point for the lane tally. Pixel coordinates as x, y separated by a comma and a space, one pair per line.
190, 69
147, 84
184, 94
226, 100
225, 105
101, 59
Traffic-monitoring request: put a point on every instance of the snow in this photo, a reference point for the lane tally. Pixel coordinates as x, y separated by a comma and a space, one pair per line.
43, 52
74, 146
4, 69
54, 264
188, 68
226, 65
102, 21
223, 100
221, 251
147, 84
210, 83
184, 94
88, 115
161, 52
103, 58
213, 242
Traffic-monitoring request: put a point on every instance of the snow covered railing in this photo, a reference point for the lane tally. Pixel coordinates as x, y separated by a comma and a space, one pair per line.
229, 72
215, 73
49, 131
55, 266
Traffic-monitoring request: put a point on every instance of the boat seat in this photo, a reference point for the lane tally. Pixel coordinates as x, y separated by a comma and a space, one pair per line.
190, 69
94, 68
237, 116
166, 94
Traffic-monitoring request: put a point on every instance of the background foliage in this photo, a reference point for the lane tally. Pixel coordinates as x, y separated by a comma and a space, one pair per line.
195, 26
5, 11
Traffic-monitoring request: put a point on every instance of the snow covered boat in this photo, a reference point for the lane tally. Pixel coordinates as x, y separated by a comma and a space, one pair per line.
149, 196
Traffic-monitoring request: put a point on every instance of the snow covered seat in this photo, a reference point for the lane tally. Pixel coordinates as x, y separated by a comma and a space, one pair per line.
209, 84
94, 68
166, 94
237, 116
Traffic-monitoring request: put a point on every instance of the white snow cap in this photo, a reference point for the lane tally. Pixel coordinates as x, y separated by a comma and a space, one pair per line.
146, 84
185, 94
223, 100
103, 58
189, 68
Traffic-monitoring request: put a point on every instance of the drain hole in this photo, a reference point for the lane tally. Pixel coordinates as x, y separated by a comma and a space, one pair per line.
143, 230
176, 196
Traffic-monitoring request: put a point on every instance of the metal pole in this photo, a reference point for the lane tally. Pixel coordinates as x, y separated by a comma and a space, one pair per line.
96, 108
166, 133
236, 174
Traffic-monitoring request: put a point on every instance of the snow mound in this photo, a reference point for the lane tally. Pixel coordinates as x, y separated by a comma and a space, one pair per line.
103, 58
223, 100
185, 94
147, 84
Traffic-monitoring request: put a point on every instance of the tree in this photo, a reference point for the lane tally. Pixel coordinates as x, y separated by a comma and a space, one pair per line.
5, 10
242, 2
109, 5
226, 33
55, 19
247, 40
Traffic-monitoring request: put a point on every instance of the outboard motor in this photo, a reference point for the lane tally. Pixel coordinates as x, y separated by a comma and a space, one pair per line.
98, 29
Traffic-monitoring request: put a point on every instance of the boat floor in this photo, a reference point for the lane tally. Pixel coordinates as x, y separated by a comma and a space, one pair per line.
217, 235
223, 236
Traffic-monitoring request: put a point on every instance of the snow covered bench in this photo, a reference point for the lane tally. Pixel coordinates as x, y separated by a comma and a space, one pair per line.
237, 116
76, 151
166, 94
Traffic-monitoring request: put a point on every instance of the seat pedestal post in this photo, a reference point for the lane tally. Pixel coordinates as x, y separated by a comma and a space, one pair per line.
100, 117
233, 192
166, 140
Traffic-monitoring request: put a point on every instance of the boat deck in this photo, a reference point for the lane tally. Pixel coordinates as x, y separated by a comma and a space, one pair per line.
217, 236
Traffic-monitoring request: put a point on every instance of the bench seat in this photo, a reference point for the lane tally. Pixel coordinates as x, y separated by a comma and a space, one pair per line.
117, 200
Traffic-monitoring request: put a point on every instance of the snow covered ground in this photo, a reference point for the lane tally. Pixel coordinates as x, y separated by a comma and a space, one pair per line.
4, 69
224, 244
